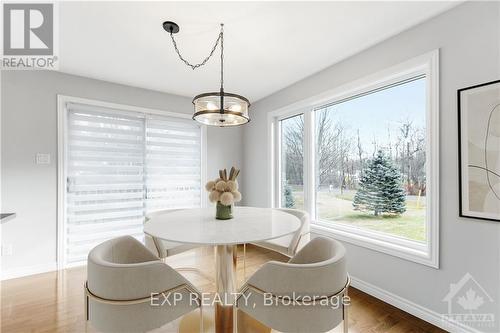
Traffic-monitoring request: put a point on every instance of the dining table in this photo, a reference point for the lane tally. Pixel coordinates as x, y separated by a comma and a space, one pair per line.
199, 226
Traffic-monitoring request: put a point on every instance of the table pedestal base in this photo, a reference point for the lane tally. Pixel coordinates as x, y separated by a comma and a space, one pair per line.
225, 281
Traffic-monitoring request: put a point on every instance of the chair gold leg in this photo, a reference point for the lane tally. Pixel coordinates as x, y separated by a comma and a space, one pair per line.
201, 319
346, 318
235, 319
86, 301
86, 307
245, 261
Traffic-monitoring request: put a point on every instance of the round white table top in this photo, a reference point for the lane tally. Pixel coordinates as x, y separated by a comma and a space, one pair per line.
199, 226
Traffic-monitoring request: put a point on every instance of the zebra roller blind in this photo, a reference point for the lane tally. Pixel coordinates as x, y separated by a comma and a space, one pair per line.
120, 166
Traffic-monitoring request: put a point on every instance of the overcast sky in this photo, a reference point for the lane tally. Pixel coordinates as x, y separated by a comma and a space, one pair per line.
375, 113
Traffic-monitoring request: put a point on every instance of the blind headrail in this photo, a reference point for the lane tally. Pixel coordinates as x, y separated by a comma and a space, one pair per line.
111, 111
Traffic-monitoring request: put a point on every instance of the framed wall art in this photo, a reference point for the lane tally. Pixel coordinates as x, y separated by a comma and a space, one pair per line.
479, 151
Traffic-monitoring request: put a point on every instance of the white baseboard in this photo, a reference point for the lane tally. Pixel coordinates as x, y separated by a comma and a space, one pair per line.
410, 307
25, 271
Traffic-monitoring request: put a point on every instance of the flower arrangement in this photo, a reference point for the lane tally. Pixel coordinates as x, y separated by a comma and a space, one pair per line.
224, 191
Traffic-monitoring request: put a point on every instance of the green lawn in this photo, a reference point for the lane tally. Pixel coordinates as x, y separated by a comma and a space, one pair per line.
336, 207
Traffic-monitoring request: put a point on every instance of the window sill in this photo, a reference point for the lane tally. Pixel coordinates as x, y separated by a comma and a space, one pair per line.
395, 246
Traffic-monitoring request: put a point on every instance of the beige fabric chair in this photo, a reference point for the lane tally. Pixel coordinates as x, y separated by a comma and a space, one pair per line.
289, 245
121, 276
162, 248
317, 271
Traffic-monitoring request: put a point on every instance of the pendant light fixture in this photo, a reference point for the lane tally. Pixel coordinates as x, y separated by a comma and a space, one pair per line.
214, 108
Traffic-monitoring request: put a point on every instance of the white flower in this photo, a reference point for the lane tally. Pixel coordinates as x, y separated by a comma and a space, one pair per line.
214, 196
220, 186
210, 185
226, 198
236, 196
232, 185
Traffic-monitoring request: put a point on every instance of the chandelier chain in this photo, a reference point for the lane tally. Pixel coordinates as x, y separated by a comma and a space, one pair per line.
194, 66
221, 56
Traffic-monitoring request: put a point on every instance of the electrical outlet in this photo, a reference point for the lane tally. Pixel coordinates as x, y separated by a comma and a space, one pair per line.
7, 250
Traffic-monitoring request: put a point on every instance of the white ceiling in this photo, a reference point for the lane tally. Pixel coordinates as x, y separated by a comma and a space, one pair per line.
268, 45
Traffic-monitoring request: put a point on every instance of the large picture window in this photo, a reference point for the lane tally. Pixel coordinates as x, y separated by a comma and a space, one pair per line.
371, 154
364, 162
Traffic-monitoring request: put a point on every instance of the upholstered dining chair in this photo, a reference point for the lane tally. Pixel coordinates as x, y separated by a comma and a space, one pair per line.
303, 295
162, 248
289, 245
122, 275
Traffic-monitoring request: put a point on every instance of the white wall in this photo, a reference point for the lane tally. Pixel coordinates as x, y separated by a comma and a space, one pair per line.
468, 37
29, 125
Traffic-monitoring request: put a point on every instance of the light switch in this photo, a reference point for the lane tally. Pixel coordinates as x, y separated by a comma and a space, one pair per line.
42, 158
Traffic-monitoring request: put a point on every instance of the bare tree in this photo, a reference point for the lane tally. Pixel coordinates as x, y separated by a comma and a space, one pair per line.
334, 148
340, 155
410, 155
360, 155
327, 141
294, 150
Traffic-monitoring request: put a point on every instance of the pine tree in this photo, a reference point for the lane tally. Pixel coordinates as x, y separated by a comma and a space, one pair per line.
380, 188
289, 200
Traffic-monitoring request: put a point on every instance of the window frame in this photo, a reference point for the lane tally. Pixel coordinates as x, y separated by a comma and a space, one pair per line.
426, 254
62, 159
278, 151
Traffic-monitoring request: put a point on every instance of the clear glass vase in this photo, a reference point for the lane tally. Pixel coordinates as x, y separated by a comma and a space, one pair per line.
223, 212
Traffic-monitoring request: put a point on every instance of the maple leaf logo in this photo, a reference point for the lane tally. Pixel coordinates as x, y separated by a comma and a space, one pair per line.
471, 301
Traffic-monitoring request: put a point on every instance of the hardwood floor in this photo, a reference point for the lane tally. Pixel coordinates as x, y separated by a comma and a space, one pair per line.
54, 302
